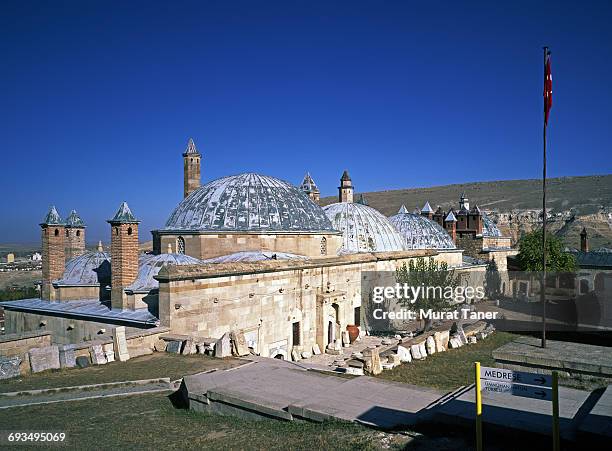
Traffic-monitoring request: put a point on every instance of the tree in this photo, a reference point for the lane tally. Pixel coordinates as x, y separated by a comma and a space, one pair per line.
428, 274
530, 253
492, 280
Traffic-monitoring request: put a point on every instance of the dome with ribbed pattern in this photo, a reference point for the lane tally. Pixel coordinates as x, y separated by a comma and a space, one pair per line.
364, 229
248, 202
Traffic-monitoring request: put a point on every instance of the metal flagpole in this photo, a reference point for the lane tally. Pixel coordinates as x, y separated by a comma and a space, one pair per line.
543, 282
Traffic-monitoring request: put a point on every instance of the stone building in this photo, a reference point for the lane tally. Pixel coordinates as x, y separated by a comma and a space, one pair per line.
248, 253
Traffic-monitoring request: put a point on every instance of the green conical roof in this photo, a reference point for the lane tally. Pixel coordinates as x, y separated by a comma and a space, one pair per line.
74, 220
124, 215
52, 218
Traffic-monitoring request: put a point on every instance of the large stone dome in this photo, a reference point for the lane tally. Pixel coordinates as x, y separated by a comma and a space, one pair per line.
420, 232
248, 202
91, 268
364, 229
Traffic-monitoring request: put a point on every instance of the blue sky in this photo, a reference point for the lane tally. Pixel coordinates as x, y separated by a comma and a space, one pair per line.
98, 99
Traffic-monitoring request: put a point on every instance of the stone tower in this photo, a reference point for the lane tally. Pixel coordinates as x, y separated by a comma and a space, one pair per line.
75, 236
53, 252
310, 188
584, 240
464, 202
191, 169
450, 224
345, 190
124, 254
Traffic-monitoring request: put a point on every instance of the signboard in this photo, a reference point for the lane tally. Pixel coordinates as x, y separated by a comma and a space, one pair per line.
515, 377
525, 391
516, 383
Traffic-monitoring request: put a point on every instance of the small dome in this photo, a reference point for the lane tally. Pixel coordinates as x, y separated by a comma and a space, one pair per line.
254, 256
91, 268
248, 202
364, 229
149, 266
421, 232
489, 228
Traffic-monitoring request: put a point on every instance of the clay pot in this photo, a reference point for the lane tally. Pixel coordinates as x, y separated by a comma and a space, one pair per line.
353, 332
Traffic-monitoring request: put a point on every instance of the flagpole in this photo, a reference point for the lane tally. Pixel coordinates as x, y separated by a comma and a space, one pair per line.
543, 282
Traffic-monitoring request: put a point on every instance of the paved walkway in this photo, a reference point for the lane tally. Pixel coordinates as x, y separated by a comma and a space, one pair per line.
287, 390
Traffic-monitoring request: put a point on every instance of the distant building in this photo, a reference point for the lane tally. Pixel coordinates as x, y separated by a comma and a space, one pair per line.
36, 257
10, 258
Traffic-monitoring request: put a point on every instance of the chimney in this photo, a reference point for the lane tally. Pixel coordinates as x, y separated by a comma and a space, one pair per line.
124, 254
75, 236
584, 240
450, 224
53, 252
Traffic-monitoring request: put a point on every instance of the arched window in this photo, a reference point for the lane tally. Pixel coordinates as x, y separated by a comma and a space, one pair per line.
180, 245
67, 233
129, 230
323, 246
78, 233
56, 232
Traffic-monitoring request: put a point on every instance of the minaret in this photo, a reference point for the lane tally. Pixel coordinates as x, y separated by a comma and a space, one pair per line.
124, 254
584, 240
75, 236
191, 169
464, 202
450, 224
53, 252
345, 190
310, 188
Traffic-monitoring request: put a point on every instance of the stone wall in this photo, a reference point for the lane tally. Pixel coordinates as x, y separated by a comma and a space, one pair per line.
63, 330
75, 242
18, 345
265, 299
208, 245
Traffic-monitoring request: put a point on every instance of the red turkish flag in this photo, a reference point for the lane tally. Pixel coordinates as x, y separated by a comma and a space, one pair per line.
547, 88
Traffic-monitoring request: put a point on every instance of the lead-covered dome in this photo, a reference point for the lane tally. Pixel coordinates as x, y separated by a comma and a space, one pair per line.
420, 232
364, 229
149, 266
248, 202
90, 268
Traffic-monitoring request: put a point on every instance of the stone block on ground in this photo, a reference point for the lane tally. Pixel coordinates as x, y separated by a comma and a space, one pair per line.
45, 358
306, 355
174, 347
472, 339
404, 354
295, 355
316, 350
346, 341
441, 338
239, 345
455, 342
372, 361
430, 345
121, 348
160, 345
82, 361
189, 347
109, 352
67, 356
223, 346
394, 359
422, 349
97, 355
10, 367
415, 350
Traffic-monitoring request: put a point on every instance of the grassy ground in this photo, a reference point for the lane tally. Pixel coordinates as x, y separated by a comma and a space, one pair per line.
21, 278
145, 367
452, 369
151, 422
